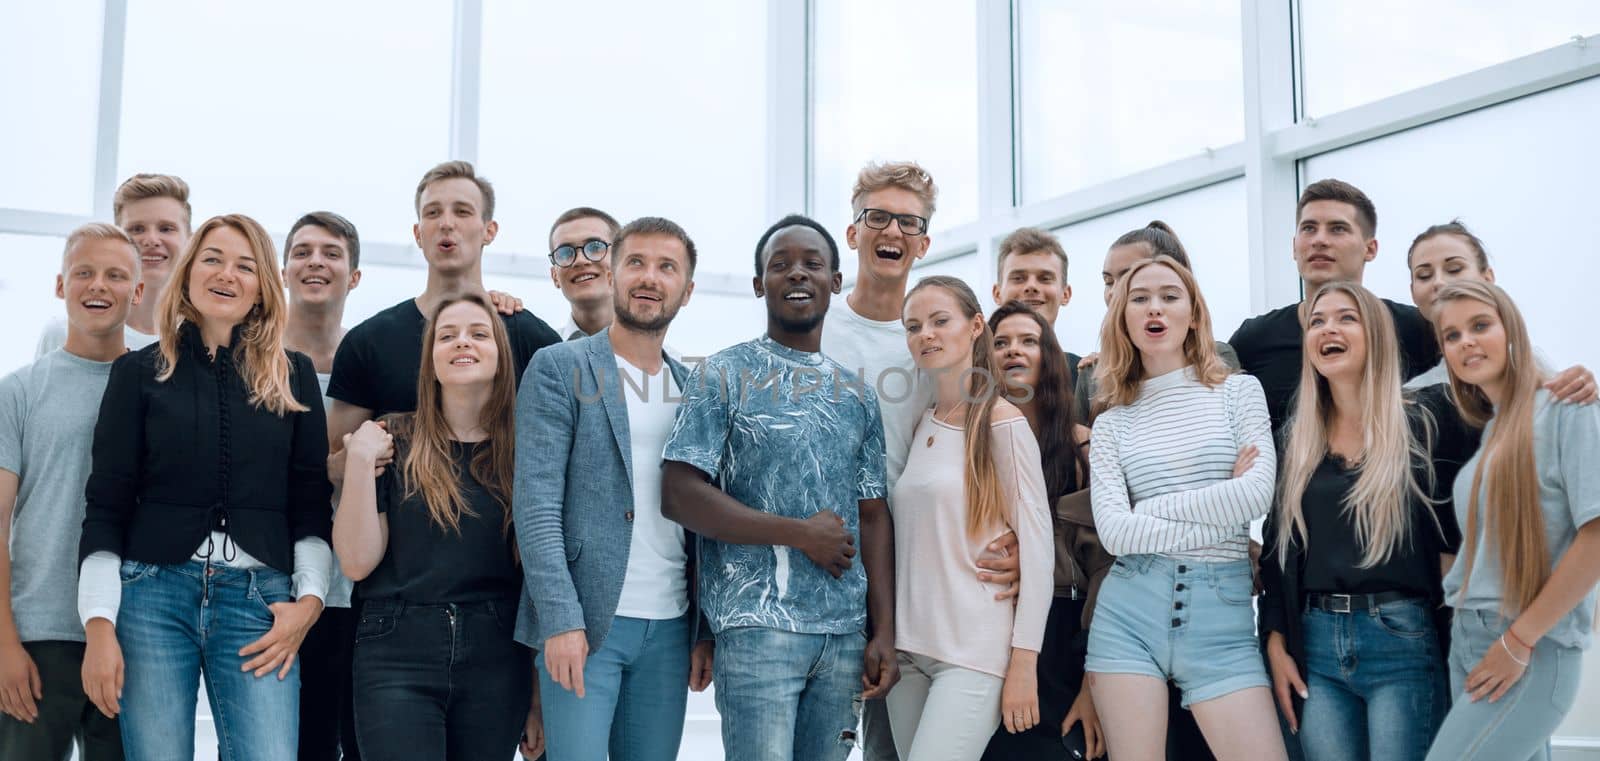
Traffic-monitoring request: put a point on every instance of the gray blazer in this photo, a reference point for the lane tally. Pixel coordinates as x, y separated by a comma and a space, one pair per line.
573, 498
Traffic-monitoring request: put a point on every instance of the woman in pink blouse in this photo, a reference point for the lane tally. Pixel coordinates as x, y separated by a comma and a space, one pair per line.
967, 660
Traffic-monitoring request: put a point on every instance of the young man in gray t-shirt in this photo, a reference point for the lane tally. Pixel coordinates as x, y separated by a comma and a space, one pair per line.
47, 418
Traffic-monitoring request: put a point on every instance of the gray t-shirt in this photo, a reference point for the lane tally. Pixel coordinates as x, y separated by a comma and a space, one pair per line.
47, 416
1566, 454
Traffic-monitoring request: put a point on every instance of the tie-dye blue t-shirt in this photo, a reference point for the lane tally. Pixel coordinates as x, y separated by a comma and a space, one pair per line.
790, 433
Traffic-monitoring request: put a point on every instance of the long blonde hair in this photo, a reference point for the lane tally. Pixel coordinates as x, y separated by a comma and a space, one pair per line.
430, 467
1377, 504
1514, 519
982, 481
1120, 371
260, 357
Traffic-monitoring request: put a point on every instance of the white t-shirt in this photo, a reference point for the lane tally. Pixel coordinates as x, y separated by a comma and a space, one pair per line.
655, 586
55, 336
876, 352
339, 585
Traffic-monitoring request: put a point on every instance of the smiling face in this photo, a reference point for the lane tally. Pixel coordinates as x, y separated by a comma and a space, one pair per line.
652, 281
159, 225
938, 335
1474, 341
1336, 339
1034, 278
317, 269
99, 284
888, 254
797, 278
450, 228
1329, 245
464, 351
1016, 350
1159, 313
584, 282
224, 284
1439, 261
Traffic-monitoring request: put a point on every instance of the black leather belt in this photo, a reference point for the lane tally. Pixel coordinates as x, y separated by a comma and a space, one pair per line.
1346, 603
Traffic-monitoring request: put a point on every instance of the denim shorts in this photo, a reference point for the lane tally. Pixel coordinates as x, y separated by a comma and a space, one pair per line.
1191, 622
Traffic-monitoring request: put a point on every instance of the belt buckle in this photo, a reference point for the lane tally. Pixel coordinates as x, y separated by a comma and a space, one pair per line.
1339, 603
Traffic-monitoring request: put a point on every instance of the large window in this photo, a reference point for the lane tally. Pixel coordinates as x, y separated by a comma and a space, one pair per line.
276, 109
1110, 88
27, 289
1209, 221
1358, 51
895, 80
1531, 206
667, 118
50, 83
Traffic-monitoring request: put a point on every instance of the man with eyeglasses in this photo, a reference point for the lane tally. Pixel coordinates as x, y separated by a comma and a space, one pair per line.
580, 266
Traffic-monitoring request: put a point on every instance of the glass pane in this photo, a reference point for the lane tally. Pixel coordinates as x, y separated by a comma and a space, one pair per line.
894, 80
275, 109
1525, 205
1359, 51
28, 295
658, 123
50, 53
1108, 89
1211, 224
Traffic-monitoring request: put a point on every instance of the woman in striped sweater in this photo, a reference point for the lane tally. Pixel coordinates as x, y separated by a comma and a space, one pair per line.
1183, 462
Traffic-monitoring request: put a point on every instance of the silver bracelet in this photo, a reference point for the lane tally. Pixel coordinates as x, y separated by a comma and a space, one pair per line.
1514, 657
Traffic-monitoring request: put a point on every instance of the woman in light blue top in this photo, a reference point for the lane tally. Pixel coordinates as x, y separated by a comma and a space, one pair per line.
1524, 584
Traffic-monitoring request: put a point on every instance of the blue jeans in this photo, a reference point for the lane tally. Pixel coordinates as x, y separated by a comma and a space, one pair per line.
443, 682
635, 693
785, 696
1519, 725
181, 623
1376, 680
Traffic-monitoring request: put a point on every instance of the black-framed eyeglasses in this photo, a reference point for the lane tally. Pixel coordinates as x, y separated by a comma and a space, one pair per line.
878, 219
566, 255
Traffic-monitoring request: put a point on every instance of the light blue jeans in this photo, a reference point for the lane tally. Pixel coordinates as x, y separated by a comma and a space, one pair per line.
1519, 725
636, 689
181, 623
1377, 683
785, 696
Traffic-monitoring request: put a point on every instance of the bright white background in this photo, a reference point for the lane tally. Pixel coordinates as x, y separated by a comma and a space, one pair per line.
1088, 117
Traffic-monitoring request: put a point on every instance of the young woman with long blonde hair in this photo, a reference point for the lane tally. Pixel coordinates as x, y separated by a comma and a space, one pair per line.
967, 660
428, 541
209, 502
1182, 462
1524, 586
1355, 548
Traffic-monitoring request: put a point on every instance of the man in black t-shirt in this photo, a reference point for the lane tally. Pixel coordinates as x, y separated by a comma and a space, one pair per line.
1335, 236
375, 370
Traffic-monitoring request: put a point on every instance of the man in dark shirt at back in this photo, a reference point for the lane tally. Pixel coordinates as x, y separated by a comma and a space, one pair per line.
1335, 236
375, 369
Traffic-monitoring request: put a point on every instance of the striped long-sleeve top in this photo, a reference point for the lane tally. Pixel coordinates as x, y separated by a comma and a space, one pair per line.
1161, 469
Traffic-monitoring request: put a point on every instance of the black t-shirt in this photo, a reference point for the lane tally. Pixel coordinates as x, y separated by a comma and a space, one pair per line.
1333, 563
424, 563
1270, 347
378, 361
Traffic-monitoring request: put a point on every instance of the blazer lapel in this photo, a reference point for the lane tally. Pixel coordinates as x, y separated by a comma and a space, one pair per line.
608, 378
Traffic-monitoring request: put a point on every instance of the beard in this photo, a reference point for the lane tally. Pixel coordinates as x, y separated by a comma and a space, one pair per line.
651, 326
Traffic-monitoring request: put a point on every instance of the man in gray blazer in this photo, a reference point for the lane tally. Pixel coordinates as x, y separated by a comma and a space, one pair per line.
610, 598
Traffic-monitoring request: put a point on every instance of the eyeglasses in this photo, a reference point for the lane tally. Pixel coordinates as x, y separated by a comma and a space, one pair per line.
567, 255
878, 219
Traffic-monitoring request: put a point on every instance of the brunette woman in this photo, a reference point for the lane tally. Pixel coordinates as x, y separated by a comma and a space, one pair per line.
428, 541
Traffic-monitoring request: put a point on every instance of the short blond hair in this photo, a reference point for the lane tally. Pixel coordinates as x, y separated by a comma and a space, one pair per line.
452, 170
146, 185
907, 175
101, 231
